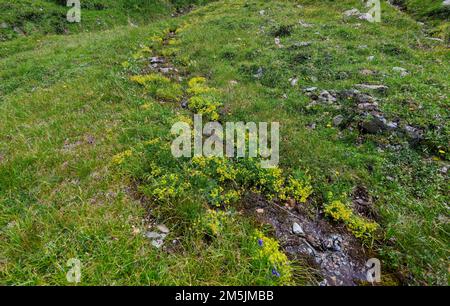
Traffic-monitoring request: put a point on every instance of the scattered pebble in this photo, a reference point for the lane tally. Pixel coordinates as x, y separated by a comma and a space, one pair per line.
297, 229
278, 42
163, 228
337, 121
293, 81
403, 71
381, 88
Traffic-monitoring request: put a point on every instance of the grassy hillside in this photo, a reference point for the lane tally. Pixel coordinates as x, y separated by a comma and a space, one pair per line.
85, 164
433, 12
31, 17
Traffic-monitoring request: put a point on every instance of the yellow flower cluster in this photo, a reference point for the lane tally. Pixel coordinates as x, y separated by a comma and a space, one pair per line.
141, 53
120, 158
150, 78
269, 251
160, 86
203, 100
165, 186
219, 196
251, 176
357, 225
212, 222
155, 39
299, 190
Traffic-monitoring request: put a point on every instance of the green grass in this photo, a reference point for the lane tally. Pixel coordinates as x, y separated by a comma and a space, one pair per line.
38, 17
67, 107
432, 11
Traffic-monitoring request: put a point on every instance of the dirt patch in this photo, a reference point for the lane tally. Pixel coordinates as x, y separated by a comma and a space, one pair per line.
338, 256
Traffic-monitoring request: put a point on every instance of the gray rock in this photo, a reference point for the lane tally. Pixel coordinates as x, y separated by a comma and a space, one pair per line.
4, 25
380, 88
365, 98
391, 125
366, 17
367, 106
352, 12
153, 235
184, 103
310, 89
333, 243
166, 70
403, 72
326, 97
18, 31
158, 243
302, 44
293, 81
304, 24
157, 60
337, 121
259, 74
297, 229
413, 133
367, 72
374, 125
311, 126
163, 228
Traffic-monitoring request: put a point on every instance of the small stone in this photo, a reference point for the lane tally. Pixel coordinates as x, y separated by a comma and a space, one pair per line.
297, 229
165, 70
392, 125
337, 121
18, 31
304, 24
293, 81
403, 71
366, 17
260, 211
376, 124
368, 106
278, 42
381, 88
158, 243
352, 12
367, 72
443, 170
302, 44
326, 97
153, 235
163, 228
413, 133
157, 60
262, 12
311, 126
336, 243
4, 25
260, 73
184, 103
310, 89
